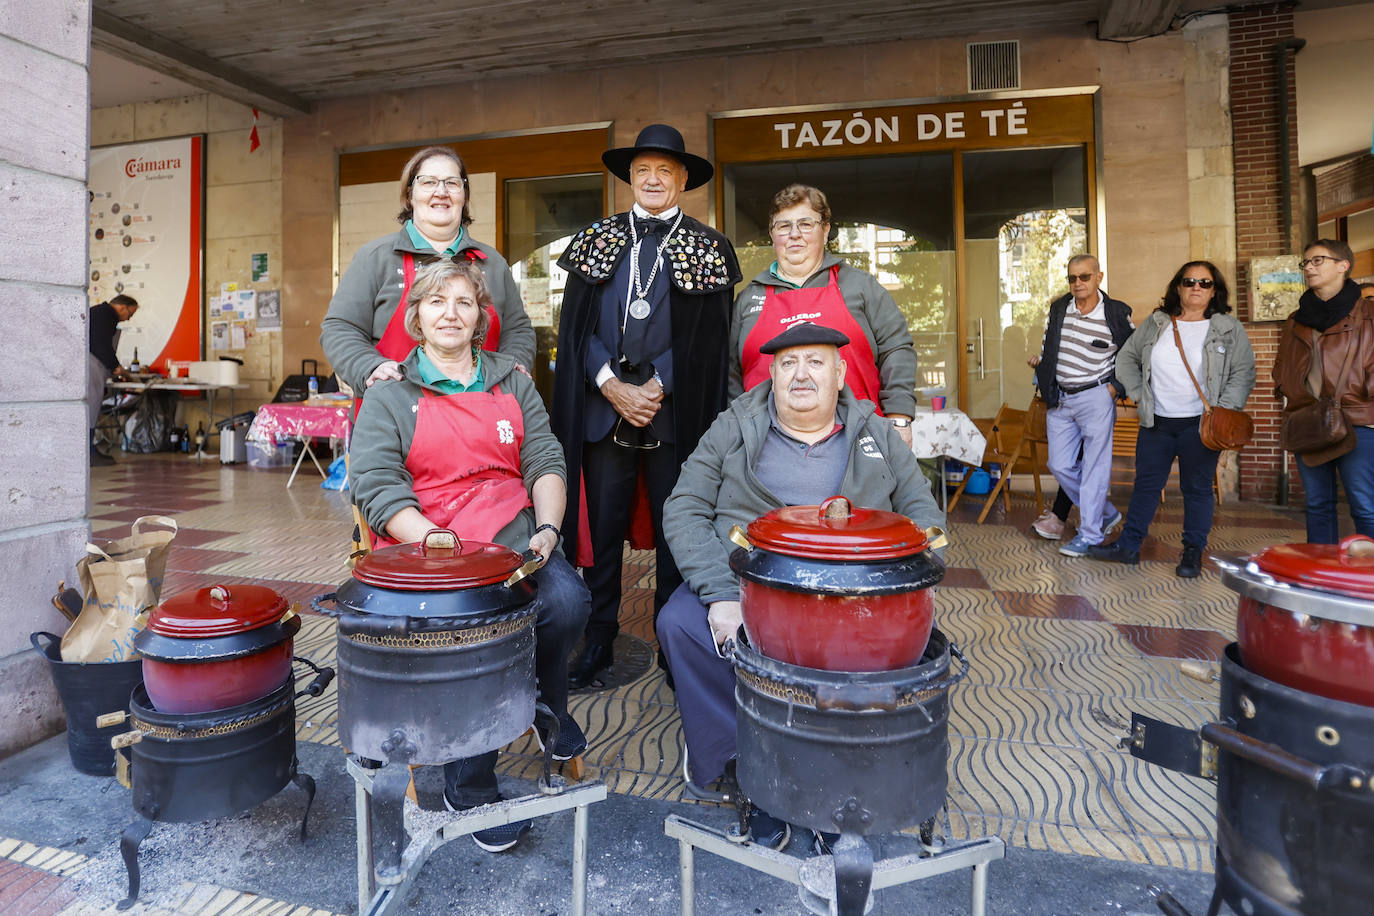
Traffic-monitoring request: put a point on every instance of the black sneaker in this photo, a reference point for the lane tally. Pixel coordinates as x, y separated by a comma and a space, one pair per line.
493, 839
1114, 553
767, 830
571, 740
1190, 566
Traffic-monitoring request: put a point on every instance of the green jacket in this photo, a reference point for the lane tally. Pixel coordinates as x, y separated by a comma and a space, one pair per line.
872, 307
718, 488
1228, 363
385, 429
370, 292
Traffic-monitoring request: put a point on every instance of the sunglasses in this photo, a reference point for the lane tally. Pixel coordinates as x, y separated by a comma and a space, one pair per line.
1190, 282
1081, 278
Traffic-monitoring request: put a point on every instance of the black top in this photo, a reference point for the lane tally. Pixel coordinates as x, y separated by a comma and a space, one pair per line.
104, 324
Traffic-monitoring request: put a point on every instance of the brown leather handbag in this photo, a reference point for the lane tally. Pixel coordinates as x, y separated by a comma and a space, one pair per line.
1320, 425
1221, 428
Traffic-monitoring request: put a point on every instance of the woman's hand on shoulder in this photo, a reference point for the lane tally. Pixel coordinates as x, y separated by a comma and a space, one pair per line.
388, 369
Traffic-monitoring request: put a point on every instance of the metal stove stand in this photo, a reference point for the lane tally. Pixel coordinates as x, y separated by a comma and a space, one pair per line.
815, 876
380, 894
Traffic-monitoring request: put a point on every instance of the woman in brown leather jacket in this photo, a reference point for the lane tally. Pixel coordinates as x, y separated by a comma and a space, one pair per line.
1336, 326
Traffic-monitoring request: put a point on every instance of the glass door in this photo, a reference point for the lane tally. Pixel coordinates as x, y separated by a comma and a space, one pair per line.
1025, 214
893, 216
541, 216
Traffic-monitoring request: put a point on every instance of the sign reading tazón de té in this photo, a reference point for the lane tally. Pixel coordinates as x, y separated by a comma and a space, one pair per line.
1036, 120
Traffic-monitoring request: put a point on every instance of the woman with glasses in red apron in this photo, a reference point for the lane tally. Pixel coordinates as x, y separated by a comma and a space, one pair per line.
462, 441
363, 333
809, 283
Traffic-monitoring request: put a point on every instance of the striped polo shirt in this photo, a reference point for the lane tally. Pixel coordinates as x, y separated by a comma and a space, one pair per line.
1086, 350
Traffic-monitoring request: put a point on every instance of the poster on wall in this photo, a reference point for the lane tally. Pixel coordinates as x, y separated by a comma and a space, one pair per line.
147, 241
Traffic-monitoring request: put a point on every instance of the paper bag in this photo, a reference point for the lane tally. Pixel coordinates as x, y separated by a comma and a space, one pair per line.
118, 583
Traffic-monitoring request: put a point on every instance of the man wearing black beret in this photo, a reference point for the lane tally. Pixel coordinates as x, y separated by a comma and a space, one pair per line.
641, 369
796, 439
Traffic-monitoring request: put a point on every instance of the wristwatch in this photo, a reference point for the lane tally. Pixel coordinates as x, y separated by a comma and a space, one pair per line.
901, 422
547, 527
658, 378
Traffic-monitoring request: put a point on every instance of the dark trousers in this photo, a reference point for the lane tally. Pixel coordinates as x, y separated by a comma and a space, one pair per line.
1155, 451
560, 613
611, 473
705, 685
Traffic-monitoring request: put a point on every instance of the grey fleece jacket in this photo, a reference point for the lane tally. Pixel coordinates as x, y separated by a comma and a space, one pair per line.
370, 292
718, 488
1227, 373
872, 307
386, 428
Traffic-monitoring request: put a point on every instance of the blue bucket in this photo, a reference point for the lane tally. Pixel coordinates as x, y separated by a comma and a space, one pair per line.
979, 482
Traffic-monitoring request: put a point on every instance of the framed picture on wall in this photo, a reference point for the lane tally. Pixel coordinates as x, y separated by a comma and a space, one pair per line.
1275, 286
147, 240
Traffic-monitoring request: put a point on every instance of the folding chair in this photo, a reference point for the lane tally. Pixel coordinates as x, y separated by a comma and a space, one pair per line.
1007, 445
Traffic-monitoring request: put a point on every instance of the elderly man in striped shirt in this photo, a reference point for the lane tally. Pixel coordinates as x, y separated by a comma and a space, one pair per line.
1077, 378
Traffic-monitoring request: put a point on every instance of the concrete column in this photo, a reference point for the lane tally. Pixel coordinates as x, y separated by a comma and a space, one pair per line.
45, 107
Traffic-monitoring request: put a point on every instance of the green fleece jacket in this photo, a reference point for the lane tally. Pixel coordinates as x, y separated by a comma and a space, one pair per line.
1228, 363
718, 487
872, 307
386, 428
370, 292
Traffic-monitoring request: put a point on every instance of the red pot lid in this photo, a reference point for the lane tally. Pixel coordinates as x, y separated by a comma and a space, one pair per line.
836, 530
1347, 567
440, 562
219, 610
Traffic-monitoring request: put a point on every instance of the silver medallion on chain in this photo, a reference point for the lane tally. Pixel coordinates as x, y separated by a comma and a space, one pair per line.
639, 305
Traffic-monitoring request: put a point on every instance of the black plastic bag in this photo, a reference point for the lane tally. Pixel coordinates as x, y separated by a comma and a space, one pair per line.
149, 429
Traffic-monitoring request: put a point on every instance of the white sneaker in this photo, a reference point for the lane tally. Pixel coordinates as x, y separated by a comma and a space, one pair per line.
1048, 526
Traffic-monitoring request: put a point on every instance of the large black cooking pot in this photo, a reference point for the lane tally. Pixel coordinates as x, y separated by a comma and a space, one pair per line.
436, 646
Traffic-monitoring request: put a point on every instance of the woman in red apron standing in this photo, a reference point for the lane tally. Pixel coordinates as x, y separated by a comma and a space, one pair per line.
809, 283
363, 333
462, 441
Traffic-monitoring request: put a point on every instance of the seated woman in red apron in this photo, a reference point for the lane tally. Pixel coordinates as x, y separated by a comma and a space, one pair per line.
363, 333
462, 441
809, 283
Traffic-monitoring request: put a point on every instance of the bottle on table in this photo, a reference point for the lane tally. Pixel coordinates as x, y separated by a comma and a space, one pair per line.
134, 366
200, 436
313, 387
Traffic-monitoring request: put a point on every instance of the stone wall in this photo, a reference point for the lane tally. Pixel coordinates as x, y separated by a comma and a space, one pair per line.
1145, 157
43, 450
243, 209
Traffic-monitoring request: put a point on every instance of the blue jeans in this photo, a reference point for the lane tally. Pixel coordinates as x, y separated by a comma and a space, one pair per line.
1155, 451
560, 614
1356, 470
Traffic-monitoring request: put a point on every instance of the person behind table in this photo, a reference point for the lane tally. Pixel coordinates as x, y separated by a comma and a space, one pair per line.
807, 279
462, 441
1074, 372
641, 368
796, 439
1218, 353
101, 361
363, 332
1326, 348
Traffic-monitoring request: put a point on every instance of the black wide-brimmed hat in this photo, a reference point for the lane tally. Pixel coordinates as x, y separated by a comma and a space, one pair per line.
805, 333
659, 138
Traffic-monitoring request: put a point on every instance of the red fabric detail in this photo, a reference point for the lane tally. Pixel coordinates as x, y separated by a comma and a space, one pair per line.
474, 254
253, 142
464, 462
585, 555
640, 533
396, 342
825, 306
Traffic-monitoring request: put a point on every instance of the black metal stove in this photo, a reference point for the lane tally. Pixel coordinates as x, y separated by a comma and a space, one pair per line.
187, 767
1295, 794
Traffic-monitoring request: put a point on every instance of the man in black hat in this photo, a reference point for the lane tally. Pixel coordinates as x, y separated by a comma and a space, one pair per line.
797, 439
641, 369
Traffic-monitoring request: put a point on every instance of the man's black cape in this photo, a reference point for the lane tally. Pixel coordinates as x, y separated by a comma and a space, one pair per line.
703, 274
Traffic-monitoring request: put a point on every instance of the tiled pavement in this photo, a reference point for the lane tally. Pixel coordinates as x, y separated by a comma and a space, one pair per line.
1061, 652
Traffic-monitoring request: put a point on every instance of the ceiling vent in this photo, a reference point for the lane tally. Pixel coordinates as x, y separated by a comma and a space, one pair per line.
994, 65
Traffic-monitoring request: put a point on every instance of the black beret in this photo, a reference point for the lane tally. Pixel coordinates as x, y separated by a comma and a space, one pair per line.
803, 333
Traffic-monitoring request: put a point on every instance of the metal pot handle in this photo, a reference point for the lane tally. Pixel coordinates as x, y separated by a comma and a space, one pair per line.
440, 539
740, 538
1285, 763
322, 678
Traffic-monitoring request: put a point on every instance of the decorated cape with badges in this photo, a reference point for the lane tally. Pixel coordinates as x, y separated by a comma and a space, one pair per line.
702, 269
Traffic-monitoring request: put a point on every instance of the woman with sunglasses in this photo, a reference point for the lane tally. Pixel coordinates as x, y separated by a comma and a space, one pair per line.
1192, 326
363, 333
1326, 349
809, 283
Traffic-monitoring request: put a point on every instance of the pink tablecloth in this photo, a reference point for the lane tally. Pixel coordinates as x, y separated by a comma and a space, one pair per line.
279, 422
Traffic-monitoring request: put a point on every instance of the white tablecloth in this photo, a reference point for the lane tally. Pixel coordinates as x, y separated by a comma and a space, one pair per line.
947, 432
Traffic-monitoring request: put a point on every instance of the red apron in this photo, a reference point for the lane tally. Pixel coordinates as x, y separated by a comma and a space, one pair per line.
825, 306
465, 462
396, 342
